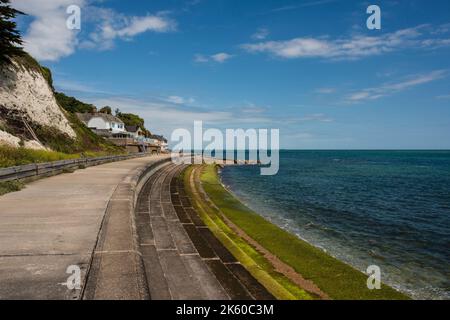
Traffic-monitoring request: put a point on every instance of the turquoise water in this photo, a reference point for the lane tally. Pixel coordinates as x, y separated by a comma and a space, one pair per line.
385, 208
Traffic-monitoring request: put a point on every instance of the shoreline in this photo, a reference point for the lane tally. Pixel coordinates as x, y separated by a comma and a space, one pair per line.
335, 278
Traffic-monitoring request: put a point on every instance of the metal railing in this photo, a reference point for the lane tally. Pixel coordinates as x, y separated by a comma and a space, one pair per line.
36, 170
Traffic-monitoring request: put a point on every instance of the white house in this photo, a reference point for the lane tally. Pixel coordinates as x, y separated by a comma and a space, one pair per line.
135, 131
160, 141
164, 146
102, 121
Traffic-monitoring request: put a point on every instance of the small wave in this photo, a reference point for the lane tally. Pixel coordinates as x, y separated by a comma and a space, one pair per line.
374, 254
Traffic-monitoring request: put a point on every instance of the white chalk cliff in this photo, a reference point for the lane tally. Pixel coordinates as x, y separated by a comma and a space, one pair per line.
24, 92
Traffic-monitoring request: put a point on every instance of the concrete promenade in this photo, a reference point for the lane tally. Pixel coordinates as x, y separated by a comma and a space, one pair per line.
129, 227
52, 224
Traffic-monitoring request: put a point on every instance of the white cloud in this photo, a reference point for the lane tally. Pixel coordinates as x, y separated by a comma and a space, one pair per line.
357, 46
63, 83
442, 29
114, 26
218, 57
295, 48
137, 25
221, 57
357, 96
180, 100
261, 34
391, 88
47, 37
200, 58
175, 99
435, 43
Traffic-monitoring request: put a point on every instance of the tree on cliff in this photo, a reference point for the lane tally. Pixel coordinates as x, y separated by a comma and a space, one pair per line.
10, 39
131, 119
106, 110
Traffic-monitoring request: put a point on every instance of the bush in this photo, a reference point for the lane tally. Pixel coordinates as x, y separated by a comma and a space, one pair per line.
48, 76
10, 186
73, 105
131, 119
106, 110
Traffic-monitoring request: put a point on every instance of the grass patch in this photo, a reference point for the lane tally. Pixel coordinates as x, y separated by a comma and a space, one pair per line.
10, 157
337, 279
10, 186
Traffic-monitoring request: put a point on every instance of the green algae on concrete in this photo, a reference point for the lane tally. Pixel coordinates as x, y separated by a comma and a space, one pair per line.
337, 279
276, 283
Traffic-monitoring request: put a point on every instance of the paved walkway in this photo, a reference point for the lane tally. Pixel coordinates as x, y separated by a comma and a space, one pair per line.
54, 223
162, 250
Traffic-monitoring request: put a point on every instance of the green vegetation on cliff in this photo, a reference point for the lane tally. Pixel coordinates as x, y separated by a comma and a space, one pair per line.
72, 105
131, 119
86, 139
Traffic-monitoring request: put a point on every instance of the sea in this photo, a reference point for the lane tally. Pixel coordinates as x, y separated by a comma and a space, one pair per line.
385, 208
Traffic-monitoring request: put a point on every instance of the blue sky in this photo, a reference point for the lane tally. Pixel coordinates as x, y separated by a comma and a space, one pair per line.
310, 68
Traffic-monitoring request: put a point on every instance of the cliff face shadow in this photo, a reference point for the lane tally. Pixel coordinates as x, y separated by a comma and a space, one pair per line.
10, 121
8, 77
